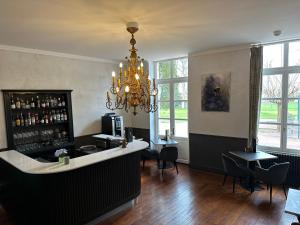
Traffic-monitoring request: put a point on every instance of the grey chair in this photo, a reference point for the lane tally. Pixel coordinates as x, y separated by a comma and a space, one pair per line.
149, 154
274, 175
234, 170
168, 154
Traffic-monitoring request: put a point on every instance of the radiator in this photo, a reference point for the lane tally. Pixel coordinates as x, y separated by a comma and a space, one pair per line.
293, 178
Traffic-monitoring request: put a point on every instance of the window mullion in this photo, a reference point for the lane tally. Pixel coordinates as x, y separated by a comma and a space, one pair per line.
284, 109
172, 113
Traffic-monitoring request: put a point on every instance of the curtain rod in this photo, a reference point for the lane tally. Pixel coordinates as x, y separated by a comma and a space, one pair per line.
275, 42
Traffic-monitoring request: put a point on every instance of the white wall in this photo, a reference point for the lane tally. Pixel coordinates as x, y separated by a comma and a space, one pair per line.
89, 81
235, 122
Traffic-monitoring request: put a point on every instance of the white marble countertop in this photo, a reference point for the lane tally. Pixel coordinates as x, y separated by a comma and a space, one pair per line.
31, 166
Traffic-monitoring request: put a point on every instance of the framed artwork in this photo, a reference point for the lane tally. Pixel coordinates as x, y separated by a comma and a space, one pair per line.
216, 92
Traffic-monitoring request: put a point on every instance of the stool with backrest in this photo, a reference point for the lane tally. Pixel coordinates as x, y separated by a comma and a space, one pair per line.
168, 154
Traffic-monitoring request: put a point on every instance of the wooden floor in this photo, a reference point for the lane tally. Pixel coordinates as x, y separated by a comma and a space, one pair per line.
195, 197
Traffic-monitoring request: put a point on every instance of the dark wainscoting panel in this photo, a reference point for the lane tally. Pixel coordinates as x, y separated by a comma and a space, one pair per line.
206, 150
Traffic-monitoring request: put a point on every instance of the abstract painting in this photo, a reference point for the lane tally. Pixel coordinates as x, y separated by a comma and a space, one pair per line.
216, 92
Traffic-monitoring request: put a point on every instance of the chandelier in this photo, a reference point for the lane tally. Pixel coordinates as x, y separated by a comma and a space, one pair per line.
132, 88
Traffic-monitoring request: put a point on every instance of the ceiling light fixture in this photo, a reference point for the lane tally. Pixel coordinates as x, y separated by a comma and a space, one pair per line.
132, 88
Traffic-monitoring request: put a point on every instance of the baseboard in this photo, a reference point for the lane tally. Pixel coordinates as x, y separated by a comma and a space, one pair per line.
184, 161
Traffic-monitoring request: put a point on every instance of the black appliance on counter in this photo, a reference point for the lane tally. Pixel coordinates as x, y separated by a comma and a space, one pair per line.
112, 124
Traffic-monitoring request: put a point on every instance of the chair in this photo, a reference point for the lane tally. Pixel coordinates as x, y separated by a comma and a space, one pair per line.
233, 169
149, 154
274, 175
168, 154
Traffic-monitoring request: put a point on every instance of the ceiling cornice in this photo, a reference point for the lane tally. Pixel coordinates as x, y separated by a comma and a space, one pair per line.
53, 53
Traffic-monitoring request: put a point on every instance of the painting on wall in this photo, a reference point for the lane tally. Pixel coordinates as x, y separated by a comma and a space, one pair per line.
216, 92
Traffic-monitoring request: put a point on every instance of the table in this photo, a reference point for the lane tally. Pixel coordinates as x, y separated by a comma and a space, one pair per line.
252, 157
164, 143
292, 205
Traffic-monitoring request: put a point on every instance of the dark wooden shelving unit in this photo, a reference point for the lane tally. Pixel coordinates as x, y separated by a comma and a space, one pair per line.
38, 138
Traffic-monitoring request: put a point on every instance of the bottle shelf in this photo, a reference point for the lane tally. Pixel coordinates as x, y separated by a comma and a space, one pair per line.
39, 137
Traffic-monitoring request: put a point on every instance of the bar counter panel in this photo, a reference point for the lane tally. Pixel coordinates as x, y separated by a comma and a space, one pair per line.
74, 196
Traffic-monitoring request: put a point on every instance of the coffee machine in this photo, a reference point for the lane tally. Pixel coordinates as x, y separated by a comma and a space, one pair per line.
112, 124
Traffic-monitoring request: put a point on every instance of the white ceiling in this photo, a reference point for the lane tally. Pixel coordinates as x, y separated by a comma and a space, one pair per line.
168, 28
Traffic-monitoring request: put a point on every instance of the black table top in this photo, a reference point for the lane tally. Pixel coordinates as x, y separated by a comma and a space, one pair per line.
253, 156
292, 205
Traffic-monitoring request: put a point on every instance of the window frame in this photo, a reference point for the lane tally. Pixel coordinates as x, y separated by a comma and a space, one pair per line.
284, 71
171, 81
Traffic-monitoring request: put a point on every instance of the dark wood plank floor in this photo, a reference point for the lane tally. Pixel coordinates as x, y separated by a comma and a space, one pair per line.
195, 197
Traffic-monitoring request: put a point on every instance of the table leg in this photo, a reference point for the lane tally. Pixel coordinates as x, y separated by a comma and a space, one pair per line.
258, 163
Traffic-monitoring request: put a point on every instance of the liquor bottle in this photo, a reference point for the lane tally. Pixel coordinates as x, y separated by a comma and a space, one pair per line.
57, 116
29, 119
54, 116
50, 118
65, 116
62, 117
32, 119
27, 106
32, 103
51, 102
38, 102
26, 123
37, 121
42, 118
46, 119
54, 102
12, 103
22, 120
23, 104
63, 102
47, 103
43, 103
58, 102
18, 103
18, 121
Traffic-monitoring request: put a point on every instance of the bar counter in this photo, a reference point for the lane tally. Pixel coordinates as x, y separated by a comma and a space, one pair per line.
57, 194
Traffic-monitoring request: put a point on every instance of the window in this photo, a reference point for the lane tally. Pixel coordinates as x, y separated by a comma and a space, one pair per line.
279, 125
172, 79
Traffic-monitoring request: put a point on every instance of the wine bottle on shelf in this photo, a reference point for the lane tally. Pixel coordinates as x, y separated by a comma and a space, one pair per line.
23, 104
18, 121
62, 117
58, 102
47, 103
29, 119
37, 120
65, 115
27, 106
32, 103
22, 120
50, 118
26, 123
43, 103
32, 119
38, 102
63, 102
18, 103
43, 118
57, 116
54, 116
12, 103
51, 102
46, 118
